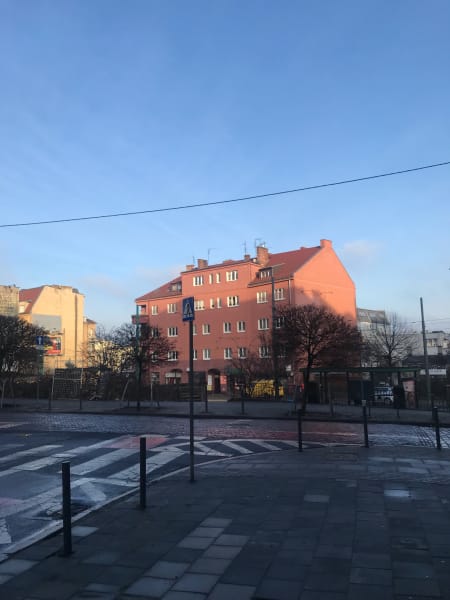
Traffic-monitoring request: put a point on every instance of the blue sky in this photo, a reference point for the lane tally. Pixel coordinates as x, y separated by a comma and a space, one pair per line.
108, 107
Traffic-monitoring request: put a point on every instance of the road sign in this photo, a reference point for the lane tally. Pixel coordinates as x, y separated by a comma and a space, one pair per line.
188, 309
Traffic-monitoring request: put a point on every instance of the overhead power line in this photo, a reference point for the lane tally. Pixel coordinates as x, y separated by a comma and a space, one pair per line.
229, 201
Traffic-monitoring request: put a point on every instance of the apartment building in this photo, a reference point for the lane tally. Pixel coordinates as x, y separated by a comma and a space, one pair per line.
59, 309
234, 301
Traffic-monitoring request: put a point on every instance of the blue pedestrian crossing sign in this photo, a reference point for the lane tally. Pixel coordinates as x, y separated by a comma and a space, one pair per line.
188, 309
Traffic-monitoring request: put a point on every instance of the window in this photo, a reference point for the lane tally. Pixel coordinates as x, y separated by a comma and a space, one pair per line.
172, 307
172, 355
206, 354
154, 309
217, 277
264, 351
198, 280
242, 352
227, 327
194, 328
206, 328
194, 353
261, 297
172, 331
219, 303
264, 273
211, 303
227, 353
231, 275
233, 301
241, 326
263, 324
278, 322
199, 305
211, 278
278, 294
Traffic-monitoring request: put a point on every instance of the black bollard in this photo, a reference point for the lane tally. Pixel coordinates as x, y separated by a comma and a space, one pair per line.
66, 510
437, 427
366, 433
143, 471
299, 427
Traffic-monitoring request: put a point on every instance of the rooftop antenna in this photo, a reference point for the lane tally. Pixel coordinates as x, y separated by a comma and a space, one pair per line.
209, 252
259, 242
245, 247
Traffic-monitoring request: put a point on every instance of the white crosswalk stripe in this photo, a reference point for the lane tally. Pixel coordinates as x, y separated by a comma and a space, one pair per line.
111, 468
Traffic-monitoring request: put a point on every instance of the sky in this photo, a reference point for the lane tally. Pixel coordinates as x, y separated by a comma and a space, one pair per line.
110, 107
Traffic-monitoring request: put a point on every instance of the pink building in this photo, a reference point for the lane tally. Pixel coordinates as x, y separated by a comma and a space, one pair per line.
234, 301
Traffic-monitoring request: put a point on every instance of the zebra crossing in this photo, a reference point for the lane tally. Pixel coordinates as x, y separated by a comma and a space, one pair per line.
30, 486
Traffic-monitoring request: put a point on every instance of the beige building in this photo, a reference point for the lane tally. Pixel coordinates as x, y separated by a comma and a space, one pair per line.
59, 309
9, 300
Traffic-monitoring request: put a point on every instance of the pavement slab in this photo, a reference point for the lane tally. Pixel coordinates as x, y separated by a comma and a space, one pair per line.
304, 532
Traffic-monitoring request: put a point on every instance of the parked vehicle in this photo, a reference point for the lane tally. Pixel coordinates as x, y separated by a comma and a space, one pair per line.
383, 394
264, 388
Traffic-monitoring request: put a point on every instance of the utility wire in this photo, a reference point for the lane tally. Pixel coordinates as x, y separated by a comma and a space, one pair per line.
229, 201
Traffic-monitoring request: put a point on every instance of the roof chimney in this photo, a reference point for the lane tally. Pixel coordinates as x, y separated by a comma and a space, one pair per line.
189, 267
325, 244
202, 263
262, 255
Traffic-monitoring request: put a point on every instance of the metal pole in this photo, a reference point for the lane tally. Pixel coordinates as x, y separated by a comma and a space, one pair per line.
138, 364
299, 428
366, 433
205, 391
66, 512
437, 427
191, 401
425, 355
274, 344
143, 471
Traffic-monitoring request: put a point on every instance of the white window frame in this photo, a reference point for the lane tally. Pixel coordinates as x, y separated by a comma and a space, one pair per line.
263, 324
242, 352
194, 353
206, 354
261, 297
219, 303
154, 309
264, 352
231, 275
227, 327
278, 294
232, 301
206, 329
241, 326
198, 280
172, 307
211, 303
172, 355
228, 353
172, 331
217, 277
199, 305
211, 278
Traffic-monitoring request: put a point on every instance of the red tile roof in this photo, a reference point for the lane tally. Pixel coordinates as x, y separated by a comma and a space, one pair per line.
30, 296
166, 290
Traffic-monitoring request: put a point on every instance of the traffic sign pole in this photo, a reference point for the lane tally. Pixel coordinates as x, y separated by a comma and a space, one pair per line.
189, 315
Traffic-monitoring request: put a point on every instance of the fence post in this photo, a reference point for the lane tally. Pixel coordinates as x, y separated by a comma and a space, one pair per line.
143, 471
437, 427
66, 509
299, 428
366, 433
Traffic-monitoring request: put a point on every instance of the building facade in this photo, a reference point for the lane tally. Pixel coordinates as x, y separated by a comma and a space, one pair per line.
9, 300
234, 303
59, 310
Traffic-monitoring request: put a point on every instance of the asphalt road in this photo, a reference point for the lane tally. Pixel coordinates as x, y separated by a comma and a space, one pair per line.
103, 451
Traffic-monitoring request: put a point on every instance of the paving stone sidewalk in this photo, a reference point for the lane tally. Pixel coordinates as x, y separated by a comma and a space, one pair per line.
323, 524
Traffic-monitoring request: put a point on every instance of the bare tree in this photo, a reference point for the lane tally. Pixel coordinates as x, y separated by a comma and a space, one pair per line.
18, 352
389, 343
250, 368
312, 336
